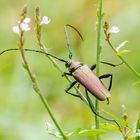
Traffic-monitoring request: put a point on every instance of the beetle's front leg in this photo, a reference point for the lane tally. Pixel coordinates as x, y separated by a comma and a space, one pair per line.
66, 73
69, 87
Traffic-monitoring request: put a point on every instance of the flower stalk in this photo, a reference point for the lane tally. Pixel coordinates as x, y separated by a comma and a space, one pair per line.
32, 76
99, 25
107, 38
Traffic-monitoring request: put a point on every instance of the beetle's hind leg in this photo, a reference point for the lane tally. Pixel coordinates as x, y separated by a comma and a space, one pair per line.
110, 83
107, 76
95, 111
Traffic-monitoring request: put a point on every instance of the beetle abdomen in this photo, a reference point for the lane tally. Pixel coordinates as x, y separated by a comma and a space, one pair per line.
91, 82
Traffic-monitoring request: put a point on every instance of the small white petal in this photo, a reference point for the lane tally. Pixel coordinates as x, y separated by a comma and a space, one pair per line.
45, 20
18, 22
26, 20
114, 29
16, 29
24, 27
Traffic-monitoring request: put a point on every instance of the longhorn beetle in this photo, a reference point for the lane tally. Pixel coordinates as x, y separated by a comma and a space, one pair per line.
83, 76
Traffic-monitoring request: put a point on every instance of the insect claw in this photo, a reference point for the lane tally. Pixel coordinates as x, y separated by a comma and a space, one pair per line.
108, 101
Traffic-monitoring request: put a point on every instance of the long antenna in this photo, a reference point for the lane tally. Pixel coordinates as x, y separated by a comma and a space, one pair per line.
68, 42
68, 25
37, 51
67, 38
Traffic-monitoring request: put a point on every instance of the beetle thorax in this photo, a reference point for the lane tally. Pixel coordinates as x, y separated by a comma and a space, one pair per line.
73, 65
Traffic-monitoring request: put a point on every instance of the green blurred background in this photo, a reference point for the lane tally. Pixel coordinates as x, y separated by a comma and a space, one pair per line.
22, 115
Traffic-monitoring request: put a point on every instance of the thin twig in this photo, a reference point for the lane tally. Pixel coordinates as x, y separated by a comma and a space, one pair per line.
107, 35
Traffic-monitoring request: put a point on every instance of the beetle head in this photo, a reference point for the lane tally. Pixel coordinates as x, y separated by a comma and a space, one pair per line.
72, 65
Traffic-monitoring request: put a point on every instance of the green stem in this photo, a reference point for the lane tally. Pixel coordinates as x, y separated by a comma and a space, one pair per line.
99, 25
44, 101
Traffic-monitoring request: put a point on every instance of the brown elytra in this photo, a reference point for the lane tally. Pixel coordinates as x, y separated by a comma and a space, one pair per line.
84, 75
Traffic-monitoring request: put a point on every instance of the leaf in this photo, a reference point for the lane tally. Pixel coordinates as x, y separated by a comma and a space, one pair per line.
122, 52
74, 132
52, 131
109, 126
121, 45
91, 132
77, 132
86, 132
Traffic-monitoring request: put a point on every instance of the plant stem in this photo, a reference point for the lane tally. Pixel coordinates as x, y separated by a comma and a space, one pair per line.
122, 59
43, 99
36, 88
99, 25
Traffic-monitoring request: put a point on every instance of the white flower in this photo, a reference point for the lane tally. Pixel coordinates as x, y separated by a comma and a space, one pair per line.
24, 27
16, 29
18, 22
114, 29
45, 20
26, 20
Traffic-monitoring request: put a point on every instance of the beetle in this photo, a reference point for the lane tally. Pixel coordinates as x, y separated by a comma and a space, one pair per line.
83, 75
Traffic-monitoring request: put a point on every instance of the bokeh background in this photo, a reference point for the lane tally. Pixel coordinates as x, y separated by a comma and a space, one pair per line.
22, 115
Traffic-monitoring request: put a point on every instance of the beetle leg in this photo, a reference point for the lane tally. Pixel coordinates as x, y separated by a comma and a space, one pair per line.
66, 73
110, 64
93, 67
110, 84
96, 113
69, 87
78, 86
107, 76
107, 63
